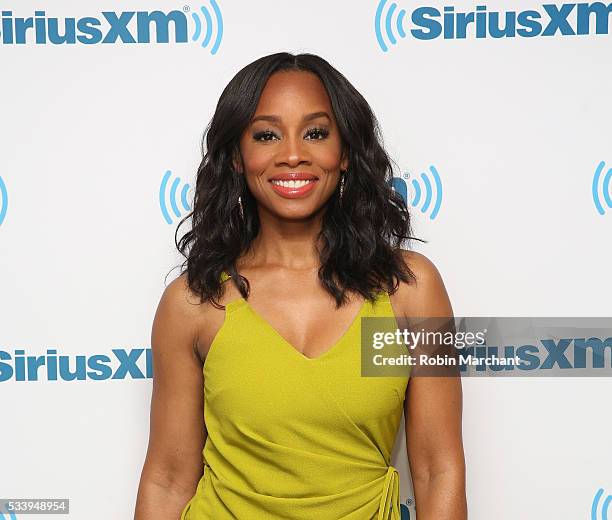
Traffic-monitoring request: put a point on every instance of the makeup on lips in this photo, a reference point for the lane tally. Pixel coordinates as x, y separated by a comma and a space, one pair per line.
293, 185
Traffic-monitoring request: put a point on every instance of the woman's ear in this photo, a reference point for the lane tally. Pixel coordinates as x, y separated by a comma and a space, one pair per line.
344, 160
237, 162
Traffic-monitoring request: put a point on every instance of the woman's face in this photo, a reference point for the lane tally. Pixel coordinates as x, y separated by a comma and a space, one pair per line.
291, 150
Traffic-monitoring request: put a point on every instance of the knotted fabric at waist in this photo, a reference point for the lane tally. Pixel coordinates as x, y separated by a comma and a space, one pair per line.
389, 508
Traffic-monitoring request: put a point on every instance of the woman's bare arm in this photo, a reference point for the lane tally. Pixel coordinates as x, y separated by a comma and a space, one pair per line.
173, 463
433, 411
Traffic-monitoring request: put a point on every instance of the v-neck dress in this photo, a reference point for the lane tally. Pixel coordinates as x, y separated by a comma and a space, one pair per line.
291, 437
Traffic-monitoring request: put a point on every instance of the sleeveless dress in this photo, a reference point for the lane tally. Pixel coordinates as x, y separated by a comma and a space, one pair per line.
292, 437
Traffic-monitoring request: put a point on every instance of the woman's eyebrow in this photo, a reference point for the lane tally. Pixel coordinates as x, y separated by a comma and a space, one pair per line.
277, 119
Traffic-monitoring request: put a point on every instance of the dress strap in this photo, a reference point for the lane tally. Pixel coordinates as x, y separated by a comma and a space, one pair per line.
381, 305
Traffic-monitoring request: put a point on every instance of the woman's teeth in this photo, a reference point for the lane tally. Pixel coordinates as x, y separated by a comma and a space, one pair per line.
292, 184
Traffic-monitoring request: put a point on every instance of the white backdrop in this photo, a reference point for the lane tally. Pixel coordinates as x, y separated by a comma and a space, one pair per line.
516, 127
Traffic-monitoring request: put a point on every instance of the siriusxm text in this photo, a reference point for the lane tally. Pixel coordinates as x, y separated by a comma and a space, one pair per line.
135, 363
108, 27
568, 19
565, 353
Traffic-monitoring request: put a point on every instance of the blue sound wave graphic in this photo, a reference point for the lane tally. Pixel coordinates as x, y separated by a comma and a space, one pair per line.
10, 516
603, 514
3, 201
382, 29
172, 196
604, 191
208, 23
426, 191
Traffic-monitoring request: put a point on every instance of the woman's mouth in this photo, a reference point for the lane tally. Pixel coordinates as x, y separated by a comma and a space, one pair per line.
293, 189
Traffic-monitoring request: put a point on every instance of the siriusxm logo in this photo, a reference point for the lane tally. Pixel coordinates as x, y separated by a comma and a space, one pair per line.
425, 193
170, 196
429, 23
555, 352
597, 512
112, 27
3, 200
97, 367
599, 190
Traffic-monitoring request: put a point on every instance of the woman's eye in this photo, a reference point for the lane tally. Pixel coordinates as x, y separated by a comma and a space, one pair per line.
312, 134
266, 135
318, 133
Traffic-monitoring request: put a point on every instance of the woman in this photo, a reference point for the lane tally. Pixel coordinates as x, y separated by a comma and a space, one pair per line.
295, 236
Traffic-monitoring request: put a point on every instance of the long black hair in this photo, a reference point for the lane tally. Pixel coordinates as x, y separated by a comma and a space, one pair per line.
360, 235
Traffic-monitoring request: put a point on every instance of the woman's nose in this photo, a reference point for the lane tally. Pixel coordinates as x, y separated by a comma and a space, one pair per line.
292, 152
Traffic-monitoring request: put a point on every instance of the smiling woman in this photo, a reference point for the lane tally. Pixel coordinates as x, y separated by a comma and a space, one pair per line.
296, 236
296, 155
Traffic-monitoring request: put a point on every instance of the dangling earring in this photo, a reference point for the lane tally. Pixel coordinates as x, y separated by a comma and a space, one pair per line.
240, 207
342, 184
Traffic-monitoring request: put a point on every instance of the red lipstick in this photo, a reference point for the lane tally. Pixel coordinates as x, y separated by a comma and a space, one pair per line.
293, 185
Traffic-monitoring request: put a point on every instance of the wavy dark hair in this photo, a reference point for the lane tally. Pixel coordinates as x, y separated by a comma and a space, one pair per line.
361, 237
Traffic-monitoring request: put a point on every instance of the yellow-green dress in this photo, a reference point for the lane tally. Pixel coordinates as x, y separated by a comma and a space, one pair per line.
292, 437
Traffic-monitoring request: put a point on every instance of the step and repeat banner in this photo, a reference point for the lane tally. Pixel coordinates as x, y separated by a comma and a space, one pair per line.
498, 116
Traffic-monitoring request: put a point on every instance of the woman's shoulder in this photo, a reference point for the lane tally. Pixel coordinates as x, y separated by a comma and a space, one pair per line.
179, 300
427, 295
202, 319
421, 265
